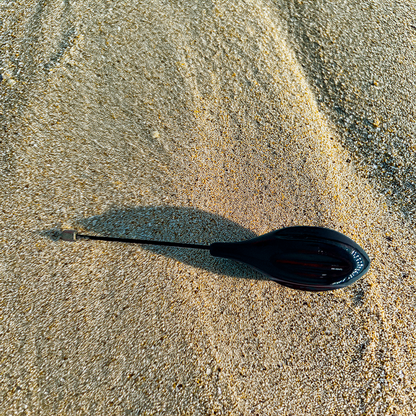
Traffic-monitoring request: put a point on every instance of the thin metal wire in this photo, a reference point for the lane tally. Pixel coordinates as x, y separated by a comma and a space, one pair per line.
156, 243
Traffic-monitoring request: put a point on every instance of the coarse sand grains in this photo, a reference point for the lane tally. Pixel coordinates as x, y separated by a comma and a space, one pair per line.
200, 122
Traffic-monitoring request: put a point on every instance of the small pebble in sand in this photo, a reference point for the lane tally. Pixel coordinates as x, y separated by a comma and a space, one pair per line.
155, 134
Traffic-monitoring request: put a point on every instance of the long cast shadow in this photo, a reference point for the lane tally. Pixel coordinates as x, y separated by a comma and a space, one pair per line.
177, 224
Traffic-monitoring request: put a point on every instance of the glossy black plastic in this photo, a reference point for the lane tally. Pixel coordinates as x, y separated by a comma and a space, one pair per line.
303, 258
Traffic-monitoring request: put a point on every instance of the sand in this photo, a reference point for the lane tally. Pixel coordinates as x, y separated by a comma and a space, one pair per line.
202, 122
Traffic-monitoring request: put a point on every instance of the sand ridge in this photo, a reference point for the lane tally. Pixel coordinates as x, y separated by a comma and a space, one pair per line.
202, 122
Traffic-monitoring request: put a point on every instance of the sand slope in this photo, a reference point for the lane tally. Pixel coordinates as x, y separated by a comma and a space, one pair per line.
199, 123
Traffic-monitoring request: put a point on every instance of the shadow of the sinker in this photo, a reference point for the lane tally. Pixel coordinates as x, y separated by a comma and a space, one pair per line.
178, 224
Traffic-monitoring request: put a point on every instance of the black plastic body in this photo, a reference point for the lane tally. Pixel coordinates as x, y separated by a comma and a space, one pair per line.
303, 258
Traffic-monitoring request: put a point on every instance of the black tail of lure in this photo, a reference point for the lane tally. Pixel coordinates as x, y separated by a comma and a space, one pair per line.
303, 258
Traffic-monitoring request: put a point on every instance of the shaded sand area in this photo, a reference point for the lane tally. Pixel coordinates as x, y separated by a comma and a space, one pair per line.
201, 122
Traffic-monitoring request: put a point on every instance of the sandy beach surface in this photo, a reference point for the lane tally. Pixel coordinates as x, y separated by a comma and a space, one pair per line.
204, 121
